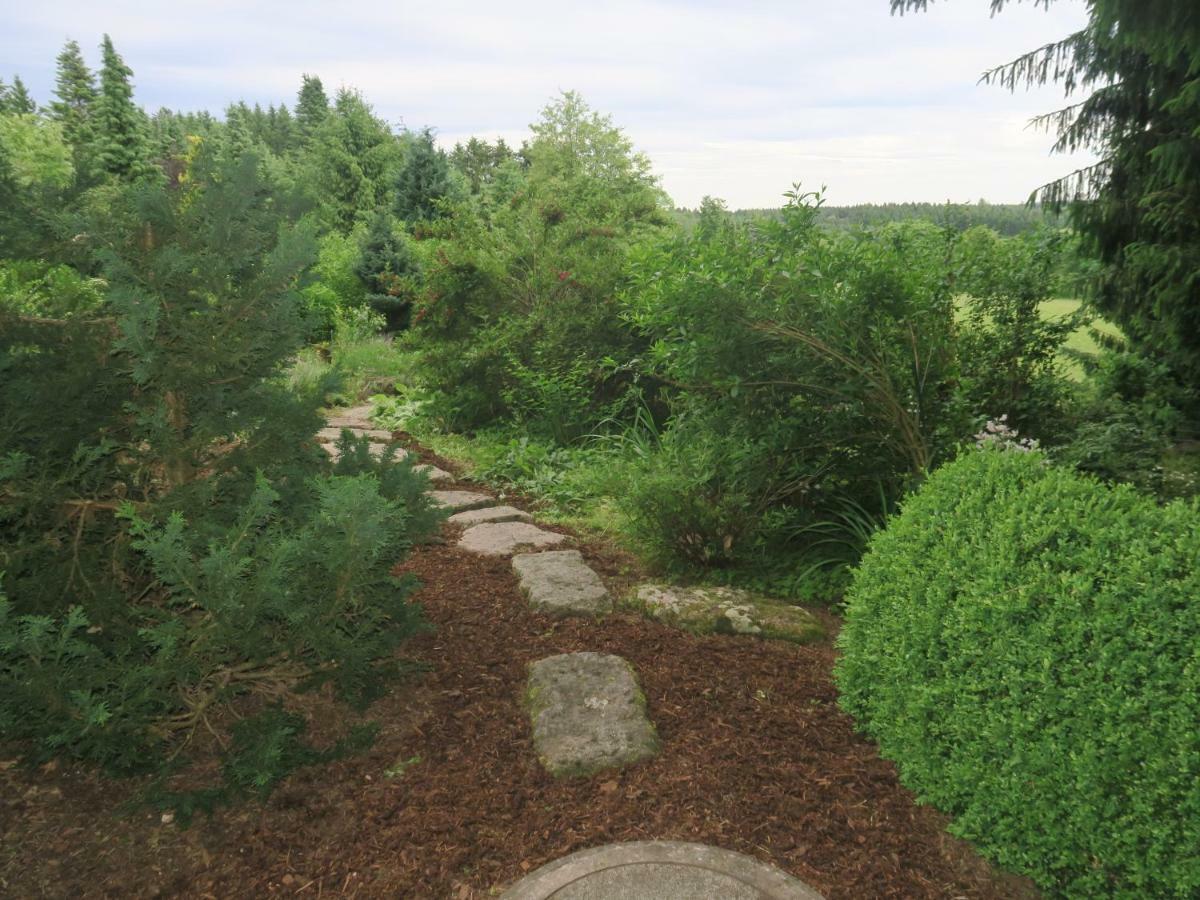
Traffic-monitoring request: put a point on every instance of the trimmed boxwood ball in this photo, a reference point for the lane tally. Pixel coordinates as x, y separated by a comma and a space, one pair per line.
1024, 643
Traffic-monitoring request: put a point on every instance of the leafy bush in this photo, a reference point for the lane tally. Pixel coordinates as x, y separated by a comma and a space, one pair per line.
336, 288
1127, 418
1021, 641
519, 302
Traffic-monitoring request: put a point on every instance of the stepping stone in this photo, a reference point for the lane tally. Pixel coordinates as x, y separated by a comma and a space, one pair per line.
561, 583
667, 870
354, 417
333, 435
460, 500
376, 450
434, 473
722, 610
490, 514
588, 714
503, 538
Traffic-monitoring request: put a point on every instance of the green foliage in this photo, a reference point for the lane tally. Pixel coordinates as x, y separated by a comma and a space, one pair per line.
351, 157
75, 90
1021, 641
805, 369
1137, 210
175, 544
335, 288
312, 106
42, 290
390, 270
15, 99
1006, 219
521, 291
35, 170
479, 162
120, 140
423, 180
35, 150
1127, 417
1010, 350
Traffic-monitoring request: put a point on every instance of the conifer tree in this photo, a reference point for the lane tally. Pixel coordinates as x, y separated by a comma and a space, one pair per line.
281, 129
350, 159
121, 145
75, 88
312, 107
16, 99
423, 179
388, 268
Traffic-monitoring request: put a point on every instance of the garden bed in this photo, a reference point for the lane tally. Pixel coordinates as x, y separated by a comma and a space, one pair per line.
452, 802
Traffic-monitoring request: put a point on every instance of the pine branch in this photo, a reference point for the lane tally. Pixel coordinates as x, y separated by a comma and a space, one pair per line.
900, 7
1057, 61
1081, 185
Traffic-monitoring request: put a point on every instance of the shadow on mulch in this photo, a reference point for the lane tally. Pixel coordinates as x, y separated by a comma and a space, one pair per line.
756, 758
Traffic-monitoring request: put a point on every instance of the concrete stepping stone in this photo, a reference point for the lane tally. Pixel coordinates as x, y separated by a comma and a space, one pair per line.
460, 500
434, 473
588, 714
665, 870
376, 450
723, 610
503, 538
333, 435
490, 514
561, 583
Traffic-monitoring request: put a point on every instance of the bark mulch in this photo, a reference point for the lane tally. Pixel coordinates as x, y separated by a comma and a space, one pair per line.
756, 758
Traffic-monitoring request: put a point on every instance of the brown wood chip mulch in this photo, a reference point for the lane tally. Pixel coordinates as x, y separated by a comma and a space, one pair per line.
756, 758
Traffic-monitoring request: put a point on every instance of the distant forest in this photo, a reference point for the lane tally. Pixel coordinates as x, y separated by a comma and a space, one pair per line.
1006, 218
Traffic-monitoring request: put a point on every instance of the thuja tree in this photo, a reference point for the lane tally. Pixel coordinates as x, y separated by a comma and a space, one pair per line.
172, 542
1137, 65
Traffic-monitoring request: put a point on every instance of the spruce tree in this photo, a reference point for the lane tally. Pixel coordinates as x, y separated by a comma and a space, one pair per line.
423, 180
389, 269
75, 88
16, 99
121, 146
349, 161
312, 107
281, 130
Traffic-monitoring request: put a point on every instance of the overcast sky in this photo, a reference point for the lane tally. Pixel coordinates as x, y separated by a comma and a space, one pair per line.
737, 100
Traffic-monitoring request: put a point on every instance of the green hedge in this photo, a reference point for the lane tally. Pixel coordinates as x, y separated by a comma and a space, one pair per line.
1024, 643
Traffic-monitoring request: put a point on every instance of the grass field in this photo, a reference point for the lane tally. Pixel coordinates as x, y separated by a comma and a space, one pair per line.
1080, 339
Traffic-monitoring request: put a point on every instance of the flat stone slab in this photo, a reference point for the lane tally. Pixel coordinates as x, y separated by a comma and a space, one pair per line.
352, 417
376, 450
664, 870
460, 500
722, 610
490, 514
504, 538
561, 583
333, 435
588, 714
434, 473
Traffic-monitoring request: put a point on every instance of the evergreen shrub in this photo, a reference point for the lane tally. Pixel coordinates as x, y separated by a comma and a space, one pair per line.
1021, 640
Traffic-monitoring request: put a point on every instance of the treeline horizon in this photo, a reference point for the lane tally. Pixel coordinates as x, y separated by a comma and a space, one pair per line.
1006, 218
281, 127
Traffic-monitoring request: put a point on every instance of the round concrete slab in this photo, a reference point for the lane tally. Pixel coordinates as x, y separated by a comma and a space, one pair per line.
664, 870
